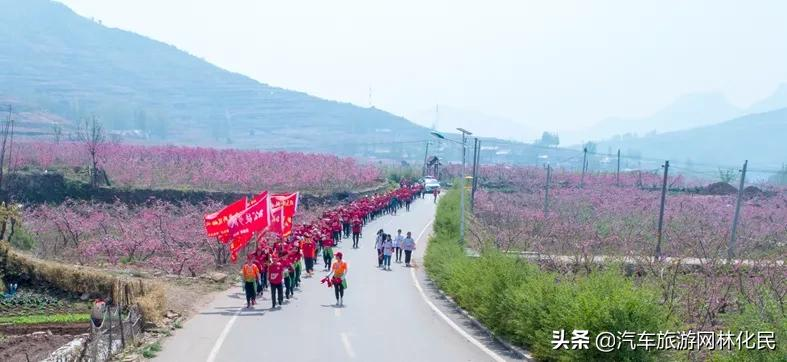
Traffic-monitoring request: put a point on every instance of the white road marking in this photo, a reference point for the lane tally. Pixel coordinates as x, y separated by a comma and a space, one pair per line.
347, 347
442, 315
222, 337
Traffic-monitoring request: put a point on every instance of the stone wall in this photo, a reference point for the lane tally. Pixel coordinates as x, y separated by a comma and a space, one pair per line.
38, 187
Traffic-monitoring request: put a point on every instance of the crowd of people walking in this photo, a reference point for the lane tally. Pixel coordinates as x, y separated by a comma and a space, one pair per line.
388, 247
279, 263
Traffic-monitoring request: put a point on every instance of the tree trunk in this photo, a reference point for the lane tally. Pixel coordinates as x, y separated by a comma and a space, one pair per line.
11, 232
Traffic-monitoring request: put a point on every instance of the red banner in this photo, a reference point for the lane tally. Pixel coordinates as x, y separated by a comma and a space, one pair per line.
277, 220
238, 244
216, 223
259, 197
289, 204
255, 218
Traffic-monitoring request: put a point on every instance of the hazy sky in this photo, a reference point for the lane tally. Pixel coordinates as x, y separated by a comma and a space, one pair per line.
550, 64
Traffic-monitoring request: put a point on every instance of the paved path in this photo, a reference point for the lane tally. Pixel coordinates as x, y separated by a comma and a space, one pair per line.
387, 315
602, 259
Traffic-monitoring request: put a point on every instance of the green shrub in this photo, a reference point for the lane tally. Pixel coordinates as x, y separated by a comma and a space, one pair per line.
766, 317
22, 239
603, 301
519, 301
151, 350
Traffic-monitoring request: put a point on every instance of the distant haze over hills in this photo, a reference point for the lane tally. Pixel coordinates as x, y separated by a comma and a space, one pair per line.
686, 112
758, 137
57, 67
449, 118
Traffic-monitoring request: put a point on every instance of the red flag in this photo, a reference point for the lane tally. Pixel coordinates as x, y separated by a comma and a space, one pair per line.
238, 244
287, 200
216, 223
289, 204
277, 220
259, 197
254, 218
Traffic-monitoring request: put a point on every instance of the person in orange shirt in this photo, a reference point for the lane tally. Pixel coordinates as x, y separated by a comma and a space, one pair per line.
338, 277
251, 273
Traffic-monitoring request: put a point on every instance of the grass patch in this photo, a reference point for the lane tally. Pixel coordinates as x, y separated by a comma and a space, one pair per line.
46, 318
148, 295
519, 301
152, 350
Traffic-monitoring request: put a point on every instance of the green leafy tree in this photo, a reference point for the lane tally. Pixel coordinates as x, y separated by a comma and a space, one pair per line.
548, 140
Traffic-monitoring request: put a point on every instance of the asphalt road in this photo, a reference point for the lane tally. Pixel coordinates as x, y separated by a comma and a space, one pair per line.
387, 315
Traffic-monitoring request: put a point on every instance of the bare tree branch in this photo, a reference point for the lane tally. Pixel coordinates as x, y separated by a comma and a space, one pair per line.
91, 134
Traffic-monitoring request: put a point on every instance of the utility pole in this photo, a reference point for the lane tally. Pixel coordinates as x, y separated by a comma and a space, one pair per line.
477, 168
639, 178
5, 128
462, 187
617, 175
473, 172
426, 156
584, 166
11, 147
546, 193
731, 245
661, 211
462, 192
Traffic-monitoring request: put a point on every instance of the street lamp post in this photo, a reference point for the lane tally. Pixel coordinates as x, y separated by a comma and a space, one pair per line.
465, 133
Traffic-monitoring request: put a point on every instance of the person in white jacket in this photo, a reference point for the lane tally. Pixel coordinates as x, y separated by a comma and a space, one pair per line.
397, 244
388, 250
378, 244
408, 245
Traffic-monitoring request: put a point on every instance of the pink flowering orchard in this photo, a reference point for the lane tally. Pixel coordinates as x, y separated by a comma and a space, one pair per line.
157, 236
206, 168
601, 218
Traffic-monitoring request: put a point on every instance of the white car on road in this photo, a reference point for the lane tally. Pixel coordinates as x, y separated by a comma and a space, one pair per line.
430, 184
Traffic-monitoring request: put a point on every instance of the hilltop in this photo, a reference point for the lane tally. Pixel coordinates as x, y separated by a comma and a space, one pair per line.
757, 137
57, 67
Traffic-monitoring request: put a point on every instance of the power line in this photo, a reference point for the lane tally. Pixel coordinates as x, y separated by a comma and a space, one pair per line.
623, 156
361, 144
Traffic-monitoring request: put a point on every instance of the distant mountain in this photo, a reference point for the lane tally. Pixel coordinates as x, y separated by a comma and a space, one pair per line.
760, 138
480, 123
688, 111
57, 67
775, 101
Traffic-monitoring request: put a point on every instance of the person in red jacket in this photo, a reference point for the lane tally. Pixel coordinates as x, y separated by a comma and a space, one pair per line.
296, 256
309, 249
259, 254
357, 225
327, 251
336, 229
289, 275
276, 278
266, 263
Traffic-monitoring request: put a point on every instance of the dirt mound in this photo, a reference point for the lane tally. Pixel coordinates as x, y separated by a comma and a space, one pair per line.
720, 188
752, 192
31, 347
